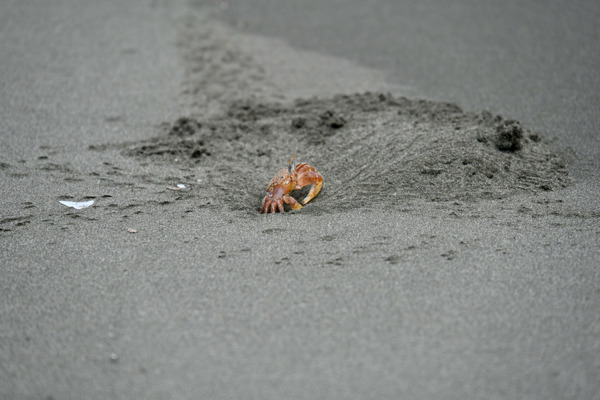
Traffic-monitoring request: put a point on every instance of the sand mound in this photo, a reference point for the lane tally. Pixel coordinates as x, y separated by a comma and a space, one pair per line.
373, 150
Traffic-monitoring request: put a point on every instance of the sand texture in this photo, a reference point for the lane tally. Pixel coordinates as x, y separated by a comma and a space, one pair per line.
451, 254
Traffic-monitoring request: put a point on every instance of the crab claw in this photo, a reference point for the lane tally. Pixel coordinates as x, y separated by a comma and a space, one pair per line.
315, 189
307, 175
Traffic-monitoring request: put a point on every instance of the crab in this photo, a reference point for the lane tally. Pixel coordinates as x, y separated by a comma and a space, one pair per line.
287, 180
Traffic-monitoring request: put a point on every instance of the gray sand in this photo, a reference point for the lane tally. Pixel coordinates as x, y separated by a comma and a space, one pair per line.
451, 254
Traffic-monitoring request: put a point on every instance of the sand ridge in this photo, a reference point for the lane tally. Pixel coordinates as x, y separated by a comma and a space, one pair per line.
373, 150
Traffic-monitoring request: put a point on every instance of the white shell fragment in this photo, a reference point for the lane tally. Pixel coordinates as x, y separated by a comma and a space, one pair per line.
77, 205
179, 187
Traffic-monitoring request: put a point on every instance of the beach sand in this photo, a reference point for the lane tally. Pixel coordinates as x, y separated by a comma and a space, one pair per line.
452, 253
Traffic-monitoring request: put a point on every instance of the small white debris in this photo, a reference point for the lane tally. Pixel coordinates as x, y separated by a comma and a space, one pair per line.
179, 187
77, 205
131, 230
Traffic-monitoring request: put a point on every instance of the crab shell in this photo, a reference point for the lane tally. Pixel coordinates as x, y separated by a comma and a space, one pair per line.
287, 180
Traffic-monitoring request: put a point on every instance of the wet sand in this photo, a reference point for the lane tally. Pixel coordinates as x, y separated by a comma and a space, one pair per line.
452, 252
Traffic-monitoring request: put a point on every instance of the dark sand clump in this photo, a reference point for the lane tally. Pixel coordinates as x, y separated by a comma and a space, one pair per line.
373, 150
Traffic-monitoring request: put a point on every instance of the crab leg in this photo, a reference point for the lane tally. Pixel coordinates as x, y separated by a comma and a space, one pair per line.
292, 202
268, 206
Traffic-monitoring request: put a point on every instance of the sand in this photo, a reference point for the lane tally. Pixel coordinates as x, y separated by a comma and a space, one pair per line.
452, 252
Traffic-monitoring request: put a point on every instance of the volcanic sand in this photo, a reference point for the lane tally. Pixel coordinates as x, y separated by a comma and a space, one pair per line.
450, 253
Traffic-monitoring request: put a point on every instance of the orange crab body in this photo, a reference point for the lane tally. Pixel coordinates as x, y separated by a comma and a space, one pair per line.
287, 180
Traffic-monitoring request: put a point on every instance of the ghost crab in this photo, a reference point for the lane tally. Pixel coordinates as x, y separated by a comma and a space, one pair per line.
287, 180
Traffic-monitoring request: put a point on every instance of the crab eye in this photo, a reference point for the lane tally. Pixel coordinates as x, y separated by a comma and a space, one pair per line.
292, 165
